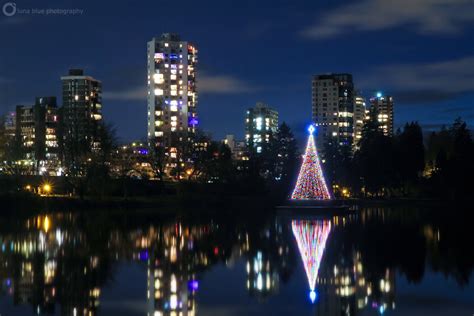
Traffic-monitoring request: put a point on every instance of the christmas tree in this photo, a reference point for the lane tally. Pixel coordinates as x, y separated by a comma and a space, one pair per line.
311, 184
311, 237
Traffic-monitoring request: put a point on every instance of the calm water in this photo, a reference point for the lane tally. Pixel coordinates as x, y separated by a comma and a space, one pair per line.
380, 261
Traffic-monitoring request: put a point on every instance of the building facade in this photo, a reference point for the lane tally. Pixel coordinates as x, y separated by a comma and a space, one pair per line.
261, 122
172, 94
36, 131
360, 114
383, 107
333, 109
237, 147
81, 113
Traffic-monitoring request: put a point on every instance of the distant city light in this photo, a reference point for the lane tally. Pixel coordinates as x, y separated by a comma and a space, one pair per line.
379, 94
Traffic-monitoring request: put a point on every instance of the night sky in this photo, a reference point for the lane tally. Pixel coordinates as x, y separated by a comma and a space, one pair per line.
419, 51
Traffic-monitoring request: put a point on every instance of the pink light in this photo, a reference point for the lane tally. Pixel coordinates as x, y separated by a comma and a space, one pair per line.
311, 237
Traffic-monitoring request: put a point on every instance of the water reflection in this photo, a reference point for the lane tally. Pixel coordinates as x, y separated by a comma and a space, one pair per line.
311, 237
59, 263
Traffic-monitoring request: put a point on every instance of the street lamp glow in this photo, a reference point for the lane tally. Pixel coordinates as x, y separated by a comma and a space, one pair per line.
47, 188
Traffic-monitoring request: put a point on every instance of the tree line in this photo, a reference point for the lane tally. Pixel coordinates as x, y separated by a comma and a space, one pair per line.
409, 164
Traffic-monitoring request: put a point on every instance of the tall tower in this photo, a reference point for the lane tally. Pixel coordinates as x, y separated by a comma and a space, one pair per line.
384, 109
172, 95
260, 123
359, 118
82, 112
333, 108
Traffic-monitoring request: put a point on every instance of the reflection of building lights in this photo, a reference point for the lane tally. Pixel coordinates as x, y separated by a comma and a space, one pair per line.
259, 282
46, 224
173, 301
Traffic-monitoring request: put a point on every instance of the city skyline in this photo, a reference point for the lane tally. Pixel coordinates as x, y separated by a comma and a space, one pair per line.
416, 65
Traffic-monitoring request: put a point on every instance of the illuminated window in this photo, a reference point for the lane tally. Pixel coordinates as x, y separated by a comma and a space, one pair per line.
158, 78
173, 108
158, 91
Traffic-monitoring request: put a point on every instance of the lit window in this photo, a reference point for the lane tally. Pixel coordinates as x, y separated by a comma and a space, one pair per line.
158, 78
173, 108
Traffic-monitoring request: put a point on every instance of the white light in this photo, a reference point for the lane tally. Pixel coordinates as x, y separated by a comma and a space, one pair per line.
173, 301
259, 282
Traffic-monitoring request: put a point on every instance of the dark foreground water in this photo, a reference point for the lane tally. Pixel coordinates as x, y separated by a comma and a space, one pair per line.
380, 261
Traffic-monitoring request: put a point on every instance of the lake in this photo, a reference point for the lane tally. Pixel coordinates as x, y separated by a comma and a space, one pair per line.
393, 261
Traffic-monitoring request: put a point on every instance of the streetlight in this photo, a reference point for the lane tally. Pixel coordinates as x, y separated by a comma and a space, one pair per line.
47, 188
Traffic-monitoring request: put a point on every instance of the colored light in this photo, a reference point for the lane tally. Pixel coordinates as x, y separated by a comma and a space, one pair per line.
143, 255
312, 296
47, 188
311, 237
193, 121
311, 184
193, 285
379, 94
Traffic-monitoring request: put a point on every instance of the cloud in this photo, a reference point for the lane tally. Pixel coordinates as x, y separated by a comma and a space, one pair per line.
425, 82
424, 16
208, 84
222, 84
135, 94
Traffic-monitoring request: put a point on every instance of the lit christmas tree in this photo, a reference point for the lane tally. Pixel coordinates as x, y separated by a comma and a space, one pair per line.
311, 184
311, 237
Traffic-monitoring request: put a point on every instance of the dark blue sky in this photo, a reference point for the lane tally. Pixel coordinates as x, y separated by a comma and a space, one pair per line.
419, 51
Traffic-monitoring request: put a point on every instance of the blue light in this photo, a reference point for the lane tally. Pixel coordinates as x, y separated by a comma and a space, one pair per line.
173, 56
193, 121
193, 285
143, 255
381, 309
311, 129
379, 94
312, 296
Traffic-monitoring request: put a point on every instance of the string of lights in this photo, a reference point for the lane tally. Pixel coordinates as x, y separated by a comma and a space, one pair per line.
311, 184
311, 237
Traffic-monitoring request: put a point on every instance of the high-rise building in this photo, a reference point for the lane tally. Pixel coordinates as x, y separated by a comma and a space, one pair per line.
172, 95
383, 106
360, 112
10, 125
333, 109
81, 112
237, 147
36, 129
261, 122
